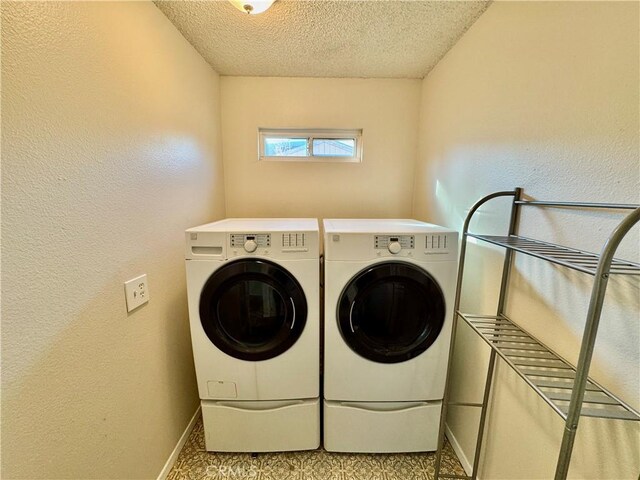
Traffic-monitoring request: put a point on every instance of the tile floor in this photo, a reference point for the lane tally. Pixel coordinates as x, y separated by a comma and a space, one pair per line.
195, 463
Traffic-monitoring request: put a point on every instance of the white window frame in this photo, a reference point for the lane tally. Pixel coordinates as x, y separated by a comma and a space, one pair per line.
310, 135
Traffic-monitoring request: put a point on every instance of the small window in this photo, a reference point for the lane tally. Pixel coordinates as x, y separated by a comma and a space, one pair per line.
286, 147
318, 145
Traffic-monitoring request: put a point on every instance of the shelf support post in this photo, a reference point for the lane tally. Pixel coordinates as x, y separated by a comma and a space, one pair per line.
588, 341
504, 285
463, 247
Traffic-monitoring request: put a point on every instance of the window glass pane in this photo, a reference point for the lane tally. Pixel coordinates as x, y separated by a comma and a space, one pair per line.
285, 147
334, 147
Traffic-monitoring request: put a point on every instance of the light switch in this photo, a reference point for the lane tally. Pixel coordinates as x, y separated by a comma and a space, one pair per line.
136, 292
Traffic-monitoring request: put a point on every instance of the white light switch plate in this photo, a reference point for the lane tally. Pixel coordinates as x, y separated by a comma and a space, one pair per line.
136, 292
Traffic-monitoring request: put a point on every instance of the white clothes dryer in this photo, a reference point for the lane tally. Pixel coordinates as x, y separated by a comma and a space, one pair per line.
253, 295
389, 294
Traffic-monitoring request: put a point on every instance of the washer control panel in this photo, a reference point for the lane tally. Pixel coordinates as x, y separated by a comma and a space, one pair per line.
252, 240
276, 244
392, 242
293, 240
295, 245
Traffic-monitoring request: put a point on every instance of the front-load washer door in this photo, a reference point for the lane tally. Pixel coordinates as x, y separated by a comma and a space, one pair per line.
253, 309
391, 312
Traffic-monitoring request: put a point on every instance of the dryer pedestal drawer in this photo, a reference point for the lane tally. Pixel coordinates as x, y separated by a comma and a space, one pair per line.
381, 427
261, 426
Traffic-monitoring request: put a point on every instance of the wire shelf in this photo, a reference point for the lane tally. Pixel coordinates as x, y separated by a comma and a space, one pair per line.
568, 257
565, 388
546, 372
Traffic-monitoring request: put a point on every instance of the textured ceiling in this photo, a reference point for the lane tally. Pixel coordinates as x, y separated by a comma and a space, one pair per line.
318, 38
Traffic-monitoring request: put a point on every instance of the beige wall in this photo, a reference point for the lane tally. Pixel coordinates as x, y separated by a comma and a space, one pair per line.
110, 149
542, 96
380, 186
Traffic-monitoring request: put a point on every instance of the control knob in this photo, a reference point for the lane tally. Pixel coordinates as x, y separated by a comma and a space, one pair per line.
250, 246
394, 247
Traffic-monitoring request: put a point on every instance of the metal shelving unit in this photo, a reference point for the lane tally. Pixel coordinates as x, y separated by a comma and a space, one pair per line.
566, 389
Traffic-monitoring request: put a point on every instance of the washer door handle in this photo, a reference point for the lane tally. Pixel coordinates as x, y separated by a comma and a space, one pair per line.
293, 322
351, 316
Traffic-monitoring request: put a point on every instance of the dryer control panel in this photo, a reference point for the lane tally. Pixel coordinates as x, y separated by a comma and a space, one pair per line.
436, 246
371, 239
405, 241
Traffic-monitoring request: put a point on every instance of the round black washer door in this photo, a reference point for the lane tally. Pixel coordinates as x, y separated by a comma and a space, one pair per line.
253, 309
391, 312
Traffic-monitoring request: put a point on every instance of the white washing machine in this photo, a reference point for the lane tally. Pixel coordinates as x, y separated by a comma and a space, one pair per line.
254, 314
389, 294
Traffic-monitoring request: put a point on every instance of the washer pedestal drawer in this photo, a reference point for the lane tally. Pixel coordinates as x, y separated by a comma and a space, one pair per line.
381, 427
261, 426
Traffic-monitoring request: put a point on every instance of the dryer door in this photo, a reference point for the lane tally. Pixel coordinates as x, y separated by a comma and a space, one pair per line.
391, 312
253, 309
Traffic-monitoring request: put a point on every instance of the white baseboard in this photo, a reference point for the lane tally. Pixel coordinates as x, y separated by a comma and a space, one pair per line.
176, 451
466, 464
